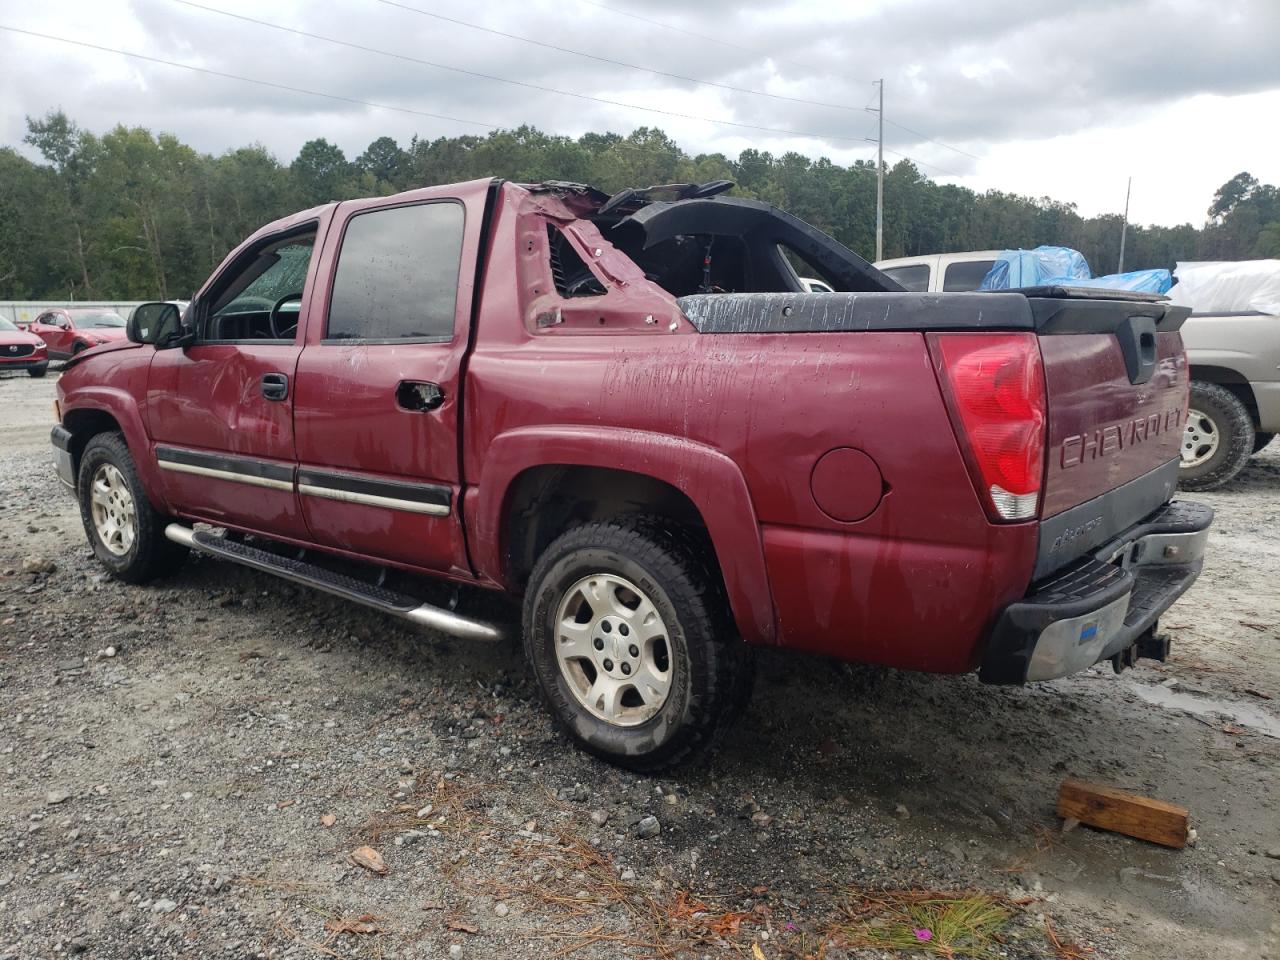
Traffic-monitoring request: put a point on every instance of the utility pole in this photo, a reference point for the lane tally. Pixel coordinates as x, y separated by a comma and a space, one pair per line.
1125, 228
880, 178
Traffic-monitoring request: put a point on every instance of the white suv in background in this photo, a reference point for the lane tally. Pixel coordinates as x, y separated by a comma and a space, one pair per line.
939, 272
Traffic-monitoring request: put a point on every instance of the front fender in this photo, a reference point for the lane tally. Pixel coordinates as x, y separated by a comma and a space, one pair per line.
711, 480
82, 408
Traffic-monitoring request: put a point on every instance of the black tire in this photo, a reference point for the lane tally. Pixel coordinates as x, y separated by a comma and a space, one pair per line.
1224, 419
151, 553
78, 348
710, 667
1260, 440
38, 371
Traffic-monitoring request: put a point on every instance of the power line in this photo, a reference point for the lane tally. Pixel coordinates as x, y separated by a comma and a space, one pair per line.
760, 53
689, 33
234, 76
518, 83
310, 93
616, 63
901, 126
279, 86
923, 163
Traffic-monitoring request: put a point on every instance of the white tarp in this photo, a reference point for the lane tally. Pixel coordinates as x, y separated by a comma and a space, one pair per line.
1228, 287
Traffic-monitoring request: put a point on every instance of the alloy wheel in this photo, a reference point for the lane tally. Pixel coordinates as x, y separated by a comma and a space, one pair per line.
613, 649
111, 505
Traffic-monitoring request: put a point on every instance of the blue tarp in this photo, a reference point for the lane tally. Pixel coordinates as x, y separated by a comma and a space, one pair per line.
1035, 268
1063, 267
1142, 281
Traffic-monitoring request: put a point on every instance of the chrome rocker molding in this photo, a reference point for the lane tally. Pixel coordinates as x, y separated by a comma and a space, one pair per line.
225, 475
422, 614
255, 473
373, 500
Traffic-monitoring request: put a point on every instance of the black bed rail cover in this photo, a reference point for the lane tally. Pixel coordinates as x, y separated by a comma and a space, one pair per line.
1038, 309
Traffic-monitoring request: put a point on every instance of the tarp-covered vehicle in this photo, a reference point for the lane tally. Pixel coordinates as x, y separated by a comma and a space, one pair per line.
1233, 347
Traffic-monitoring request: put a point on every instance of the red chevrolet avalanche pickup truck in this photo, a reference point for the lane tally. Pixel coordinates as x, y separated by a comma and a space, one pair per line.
630, 411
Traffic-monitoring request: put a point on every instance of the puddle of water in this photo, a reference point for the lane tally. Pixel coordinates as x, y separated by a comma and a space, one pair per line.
1243, 714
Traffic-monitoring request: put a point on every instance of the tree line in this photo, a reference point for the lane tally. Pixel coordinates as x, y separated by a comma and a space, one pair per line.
133, 215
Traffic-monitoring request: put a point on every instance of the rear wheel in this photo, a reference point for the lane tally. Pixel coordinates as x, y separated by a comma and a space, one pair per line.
1260, 440
124, 529
632, 643
1217, 440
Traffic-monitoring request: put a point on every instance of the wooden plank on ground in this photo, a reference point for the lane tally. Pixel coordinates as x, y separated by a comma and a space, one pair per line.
1135, 816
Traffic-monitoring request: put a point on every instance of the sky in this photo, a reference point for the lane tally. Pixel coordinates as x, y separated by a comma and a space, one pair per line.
1065, 99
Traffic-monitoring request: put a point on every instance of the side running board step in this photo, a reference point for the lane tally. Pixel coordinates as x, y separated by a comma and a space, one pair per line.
349, 588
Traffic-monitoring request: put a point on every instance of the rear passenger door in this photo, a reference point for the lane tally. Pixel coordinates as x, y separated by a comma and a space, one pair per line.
378, 384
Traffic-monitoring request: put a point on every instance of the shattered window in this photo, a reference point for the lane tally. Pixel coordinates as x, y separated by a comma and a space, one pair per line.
573, 278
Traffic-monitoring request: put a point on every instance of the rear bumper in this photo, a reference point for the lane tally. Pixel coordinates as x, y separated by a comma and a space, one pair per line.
1101, 605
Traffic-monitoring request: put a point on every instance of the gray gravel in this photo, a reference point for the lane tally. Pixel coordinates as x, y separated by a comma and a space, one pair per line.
189, 767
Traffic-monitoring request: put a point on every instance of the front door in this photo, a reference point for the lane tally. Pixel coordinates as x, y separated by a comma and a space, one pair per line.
378, 382
221, 410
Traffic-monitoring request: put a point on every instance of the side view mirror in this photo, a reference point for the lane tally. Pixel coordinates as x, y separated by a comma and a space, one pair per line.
158, 323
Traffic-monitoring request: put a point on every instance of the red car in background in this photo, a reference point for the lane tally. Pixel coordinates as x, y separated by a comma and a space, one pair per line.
22, 351
68, 330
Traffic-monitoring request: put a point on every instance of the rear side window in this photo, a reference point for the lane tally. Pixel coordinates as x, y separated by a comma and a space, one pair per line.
914, 278
397, 276
966, 276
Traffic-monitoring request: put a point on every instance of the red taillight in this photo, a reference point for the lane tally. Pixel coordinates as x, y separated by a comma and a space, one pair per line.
994, 384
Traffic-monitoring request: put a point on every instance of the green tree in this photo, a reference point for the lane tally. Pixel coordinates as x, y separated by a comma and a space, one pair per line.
132, 214
321, 172
386, 163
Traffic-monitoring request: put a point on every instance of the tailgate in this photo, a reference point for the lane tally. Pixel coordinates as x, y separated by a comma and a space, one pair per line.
1116, 383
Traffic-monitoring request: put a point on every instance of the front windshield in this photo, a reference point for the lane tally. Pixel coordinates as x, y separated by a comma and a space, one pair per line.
6, 325
104, 319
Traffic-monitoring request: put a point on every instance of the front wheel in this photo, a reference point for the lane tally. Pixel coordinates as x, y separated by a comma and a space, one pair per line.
124, 529
631, 639
1217, 439
39, 370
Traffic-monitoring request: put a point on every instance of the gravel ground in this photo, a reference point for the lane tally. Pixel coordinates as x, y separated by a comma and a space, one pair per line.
189, 767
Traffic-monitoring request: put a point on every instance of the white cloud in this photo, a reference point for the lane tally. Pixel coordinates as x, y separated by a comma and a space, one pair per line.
1059, 100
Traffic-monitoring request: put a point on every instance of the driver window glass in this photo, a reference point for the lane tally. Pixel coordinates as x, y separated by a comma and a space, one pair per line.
244, 301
